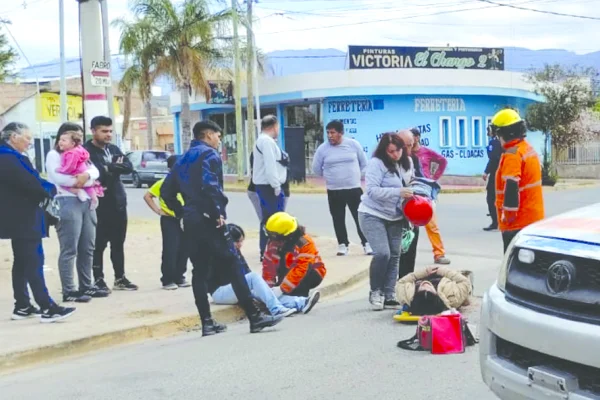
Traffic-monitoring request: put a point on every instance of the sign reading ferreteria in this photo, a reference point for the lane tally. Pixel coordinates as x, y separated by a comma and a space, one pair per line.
386, 57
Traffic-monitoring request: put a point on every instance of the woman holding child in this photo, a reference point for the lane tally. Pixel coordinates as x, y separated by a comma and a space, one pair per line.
69, 169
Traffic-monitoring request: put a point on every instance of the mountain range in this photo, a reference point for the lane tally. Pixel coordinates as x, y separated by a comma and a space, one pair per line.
289, 62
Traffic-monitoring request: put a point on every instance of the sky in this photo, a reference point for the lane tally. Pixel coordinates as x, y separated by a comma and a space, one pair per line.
306, 24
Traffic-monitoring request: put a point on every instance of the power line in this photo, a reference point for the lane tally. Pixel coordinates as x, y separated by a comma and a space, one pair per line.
379, 20
539, 11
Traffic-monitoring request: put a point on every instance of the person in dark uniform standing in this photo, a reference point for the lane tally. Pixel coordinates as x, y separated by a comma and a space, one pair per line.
198, 177
494, 152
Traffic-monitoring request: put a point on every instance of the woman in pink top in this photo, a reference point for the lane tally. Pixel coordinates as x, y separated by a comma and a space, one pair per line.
75, 160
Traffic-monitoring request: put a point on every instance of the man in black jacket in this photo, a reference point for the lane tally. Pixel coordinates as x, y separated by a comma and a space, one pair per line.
494, 152
112, 209
198, 176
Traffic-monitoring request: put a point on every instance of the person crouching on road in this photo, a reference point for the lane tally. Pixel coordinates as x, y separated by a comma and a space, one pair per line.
198, 177
292, 264
519, 195
434, 290
222, 292
174, 250
381, 218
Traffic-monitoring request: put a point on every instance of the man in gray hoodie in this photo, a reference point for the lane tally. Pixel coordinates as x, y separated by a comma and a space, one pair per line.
341, 161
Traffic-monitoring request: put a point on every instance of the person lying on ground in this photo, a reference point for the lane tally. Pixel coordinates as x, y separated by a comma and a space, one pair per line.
222, 292
434, 290
292, 263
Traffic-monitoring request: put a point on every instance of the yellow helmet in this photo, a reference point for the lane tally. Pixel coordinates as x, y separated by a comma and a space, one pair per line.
508, 125
281, 223
506, 117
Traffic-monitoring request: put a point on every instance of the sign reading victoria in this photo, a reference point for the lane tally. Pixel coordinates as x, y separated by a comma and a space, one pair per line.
373, 57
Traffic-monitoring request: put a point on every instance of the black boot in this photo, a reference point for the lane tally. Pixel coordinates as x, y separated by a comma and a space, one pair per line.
493, 227
212, 327
260, 321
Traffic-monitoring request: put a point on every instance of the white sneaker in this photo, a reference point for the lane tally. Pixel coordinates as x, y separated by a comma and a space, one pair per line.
376, 300
368, 249
342, 250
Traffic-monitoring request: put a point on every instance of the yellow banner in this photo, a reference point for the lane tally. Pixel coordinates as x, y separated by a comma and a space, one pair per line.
49, 108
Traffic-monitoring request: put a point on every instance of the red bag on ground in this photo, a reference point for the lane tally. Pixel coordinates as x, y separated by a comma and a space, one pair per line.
440, 334
447, 335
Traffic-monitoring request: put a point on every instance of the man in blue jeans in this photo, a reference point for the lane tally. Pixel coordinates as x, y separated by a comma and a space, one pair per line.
276, 302
269, 173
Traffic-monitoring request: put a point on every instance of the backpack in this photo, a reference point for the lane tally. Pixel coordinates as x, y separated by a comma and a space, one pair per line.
440, 334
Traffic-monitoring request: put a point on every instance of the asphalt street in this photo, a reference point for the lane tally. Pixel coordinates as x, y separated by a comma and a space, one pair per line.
341, 350
461, 217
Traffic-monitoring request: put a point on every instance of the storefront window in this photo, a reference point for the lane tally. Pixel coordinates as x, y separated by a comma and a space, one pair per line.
308, 117
228, 141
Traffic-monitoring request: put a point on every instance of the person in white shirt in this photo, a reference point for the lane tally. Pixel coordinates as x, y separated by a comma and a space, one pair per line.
269, 173
341, 161
76, 228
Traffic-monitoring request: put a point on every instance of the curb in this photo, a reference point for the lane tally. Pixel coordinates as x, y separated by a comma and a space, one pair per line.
20, 360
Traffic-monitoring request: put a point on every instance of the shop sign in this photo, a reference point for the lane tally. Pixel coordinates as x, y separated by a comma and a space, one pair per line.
221, 92
386, 57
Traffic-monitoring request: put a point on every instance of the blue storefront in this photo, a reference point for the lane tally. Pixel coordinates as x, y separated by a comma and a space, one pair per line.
452, 108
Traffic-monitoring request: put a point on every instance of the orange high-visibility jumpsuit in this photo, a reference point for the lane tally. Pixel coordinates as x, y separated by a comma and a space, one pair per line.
303, 268
519, 195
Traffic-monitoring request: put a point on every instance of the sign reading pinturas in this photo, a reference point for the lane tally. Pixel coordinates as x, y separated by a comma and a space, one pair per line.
100, 74
383, 57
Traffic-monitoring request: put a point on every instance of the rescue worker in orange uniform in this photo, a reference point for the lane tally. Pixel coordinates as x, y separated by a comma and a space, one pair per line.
291, 260
519, 196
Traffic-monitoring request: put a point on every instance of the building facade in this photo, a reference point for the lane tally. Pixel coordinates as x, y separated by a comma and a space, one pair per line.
451, 107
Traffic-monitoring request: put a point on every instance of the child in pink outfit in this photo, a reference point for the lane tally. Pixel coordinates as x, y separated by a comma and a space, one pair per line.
74, 160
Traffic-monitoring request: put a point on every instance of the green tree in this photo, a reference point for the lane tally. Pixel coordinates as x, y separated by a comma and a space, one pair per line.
565, 117
189, 34
140, 44
8, 57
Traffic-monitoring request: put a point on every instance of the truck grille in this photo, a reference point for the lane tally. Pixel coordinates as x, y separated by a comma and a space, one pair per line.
589, 377
527, 286
588, 271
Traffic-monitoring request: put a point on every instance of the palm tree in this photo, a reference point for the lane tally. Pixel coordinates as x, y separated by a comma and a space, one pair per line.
189, 37
140, 44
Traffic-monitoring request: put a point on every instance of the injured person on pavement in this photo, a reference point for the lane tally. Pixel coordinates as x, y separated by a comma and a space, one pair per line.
434, 290
275, 302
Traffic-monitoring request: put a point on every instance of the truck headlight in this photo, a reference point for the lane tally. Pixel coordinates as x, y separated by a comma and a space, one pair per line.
503, 273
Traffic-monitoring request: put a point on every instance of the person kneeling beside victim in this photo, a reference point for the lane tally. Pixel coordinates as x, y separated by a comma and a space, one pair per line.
277, 303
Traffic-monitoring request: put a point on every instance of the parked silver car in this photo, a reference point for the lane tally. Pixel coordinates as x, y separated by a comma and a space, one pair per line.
540, 322
149, 166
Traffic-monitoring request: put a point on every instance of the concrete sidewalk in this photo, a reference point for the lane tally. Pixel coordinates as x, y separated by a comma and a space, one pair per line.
131, 316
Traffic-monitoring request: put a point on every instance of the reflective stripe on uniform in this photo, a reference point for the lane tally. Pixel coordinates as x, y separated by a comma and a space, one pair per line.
530, 186
287, 282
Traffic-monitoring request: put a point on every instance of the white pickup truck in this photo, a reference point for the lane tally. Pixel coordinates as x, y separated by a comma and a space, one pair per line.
540, 322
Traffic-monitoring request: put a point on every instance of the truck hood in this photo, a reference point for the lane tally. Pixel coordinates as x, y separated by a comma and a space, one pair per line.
580, 225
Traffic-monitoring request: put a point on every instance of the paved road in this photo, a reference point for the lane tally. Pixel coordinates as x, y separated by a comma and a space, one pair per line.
461, 217
341, 351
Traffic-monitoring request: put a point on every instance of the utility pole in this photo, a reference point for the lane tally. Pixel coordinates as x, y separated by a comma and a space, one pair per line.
63, 79
107, 59
239, 131
95, 71
250, 77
